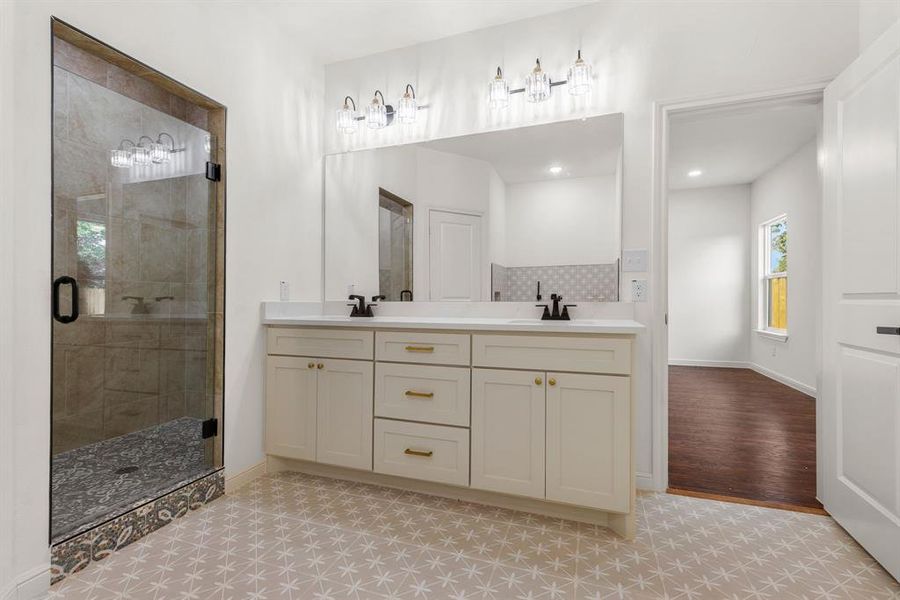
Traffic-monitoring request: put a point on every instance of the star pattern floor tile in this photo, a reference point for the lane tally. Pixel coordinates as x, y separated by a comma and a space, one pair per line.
298, 537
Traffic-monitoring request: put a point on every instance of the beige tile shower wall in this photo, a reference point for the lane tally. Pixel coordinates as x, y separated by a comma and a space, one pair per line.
114, 373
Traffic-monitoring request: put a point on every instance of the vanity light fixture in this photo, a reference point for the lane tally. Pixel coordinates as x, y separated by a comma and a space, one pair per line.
406, 106
159, 152
498, 93
377, 112
579, 77
141, 152
694, 173
556, 169
538, 84
346, 116
122, 157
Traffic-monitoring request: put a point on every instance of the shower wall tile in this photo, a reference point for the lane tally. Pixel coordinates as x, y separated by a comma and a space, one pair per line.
584, 283
78, 170
75, 60
126, 412
84, 377
132, 370
163, 252
123, 82
100, 117
60, 103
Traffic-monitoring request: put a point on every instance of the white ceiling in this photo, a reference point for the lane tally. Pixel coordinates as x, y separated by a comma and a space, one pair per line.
583, 148
339, 30
735, 146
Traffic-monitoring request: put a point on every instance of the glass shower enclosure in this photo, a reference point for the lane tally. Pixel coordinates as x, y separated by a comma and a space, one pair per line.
137, 293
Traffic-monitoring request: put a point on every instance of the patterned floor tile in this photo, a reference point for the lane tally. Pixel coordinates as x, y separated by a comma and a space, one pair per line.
297, 537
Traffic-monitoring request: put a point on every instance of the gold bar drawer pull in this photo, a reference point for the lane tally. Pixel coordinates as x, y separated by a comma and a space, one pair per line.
420, 348
419, 394
425, 453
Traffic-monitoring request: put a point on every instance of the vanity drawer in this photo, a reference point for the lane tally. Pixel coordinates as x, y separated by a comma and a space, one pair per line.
429, 452
423, 393
426, 348
321, 343
553, 353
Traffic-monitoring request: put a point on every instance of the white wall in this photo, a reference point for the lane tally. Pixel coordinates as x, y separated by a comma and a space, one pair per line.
562, 222
274, 100
875, 16
642, 52
791, 188
709, 292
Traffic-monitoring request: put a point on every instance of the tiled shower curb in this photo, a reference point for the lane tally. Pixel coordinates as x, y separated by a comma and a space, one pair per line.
75, 554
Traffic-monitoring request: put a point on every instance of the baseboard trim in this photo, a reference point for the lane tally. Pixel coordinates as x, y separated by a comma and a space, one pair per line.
239, 480
720, 364
30, 585
750, 502
644, 482
791, 383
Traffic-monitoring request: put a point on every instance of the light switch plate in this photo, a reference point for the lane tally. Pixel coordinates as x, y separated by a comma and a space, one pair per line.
638, 290
635, 261
284, 291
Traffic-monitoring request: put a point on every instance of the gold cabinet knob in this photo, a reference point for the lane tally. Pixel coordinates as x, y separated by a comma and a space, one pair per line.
320, 366
310, 365
538, 381
551, 381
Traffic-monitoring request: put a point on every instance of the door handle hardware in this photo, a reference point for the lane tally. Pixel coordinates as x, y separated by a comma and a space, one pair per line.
58, 283
420, 348
419, 394
887, 330
425, 453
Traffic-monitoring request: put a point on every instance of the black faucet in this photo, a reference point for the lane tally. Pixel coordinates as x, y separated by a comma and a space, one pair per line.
403, 292
361, 309
556, 315
379, 297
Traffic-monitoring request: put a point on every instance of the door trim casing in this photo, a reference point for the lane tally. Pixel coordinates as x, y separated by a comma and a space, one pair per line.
658, 478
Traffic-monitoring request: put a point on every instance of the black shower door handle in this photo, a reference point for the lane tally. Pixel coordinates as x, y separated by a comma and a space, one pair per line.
58, 283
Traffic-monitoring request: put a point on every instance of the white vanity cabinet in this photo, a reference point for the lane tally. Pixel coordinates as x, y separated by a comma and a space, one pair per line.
538, 420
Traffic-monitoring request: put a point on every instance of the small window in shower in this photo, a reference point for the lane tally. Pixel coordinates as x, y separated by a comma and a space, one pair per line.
91, 248
395, 247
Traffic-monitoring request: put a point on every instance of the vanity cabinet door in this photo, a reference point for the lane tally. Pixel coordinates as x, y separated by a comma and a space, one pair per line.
345, 413
508, 431
291, 407
589, 441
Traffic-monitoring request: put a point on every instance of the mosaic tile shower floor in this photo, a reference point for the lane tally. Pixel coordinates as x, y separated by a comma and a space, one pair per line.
93, 483
297, 537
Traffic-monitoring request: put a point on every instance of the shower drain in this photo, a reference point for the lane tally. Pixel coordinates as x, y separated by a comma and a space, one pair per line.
127, 470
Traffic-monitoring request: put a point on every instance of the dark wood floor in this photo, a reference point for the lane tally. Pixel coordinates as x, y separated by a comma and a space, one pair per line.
734, 432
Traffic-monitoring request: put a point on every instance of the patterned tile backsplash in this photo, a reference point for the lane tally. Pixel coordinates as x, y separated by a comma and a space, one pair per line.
578, 283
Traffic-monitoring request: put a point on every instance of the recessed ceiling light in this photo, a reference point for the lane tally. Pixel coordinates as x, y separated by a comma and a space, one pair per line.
556, 170
695, 173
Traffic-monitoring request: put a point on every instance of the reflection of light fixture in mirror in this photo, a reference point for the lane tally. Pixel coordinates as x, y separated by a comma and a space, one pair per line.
159, 153
377, 112
207, 144
346, 116
141, 152
122, 157
537, 84
579, 77
406, 106
499, 91
556, 169
695, 173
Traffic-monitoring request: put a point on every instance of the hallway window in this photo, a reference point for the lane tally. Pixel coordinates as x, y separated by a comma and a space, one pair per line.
774, 280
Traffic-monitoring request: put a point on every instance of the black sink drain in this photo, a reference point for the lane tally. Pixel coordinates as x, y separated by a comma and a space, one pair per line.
127, 470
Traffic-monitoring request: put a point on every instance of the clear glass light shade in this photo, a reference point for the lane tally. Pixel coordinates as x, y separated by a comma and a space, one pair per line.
159, 153
121, 158
376, 115
537, 85
141, 155
579, 78
346, 120
498, 93
407, 109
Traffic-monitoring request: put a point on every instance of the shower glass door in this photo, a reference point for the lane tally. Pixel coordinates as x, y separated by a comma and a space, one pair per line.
135, 313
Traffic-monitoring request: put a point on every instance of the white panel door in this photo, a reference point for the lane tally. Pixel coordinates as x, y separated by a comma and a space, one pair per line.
345, 413
508, 431
454, 256
588, 440
860, 388
291, 407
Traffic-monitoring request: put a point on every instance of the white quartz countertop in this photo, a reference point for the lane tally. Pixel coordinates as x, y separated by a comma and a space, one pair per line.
613, 326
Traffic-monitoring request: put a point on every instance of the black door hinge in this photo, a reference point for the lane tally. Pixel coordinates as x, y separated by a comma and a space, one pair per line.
210, 428
213, 171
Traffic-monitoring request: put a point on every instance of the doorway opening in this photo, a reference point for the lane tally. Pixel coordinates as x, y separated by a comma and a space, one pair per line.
743, 201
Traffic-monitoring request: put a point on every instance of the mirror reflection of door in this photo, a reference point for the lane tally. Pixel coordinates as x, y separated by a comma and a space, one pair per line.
395, 246
455, 256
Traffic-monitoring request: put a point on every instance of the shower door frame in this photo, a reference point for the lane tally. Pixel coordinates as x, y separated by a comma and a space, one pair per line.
217, 116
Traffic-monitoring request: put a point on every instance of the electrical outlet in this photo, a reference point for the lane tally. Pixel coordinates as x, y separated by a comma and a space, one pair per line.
285, 291
638, 290
635, 261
